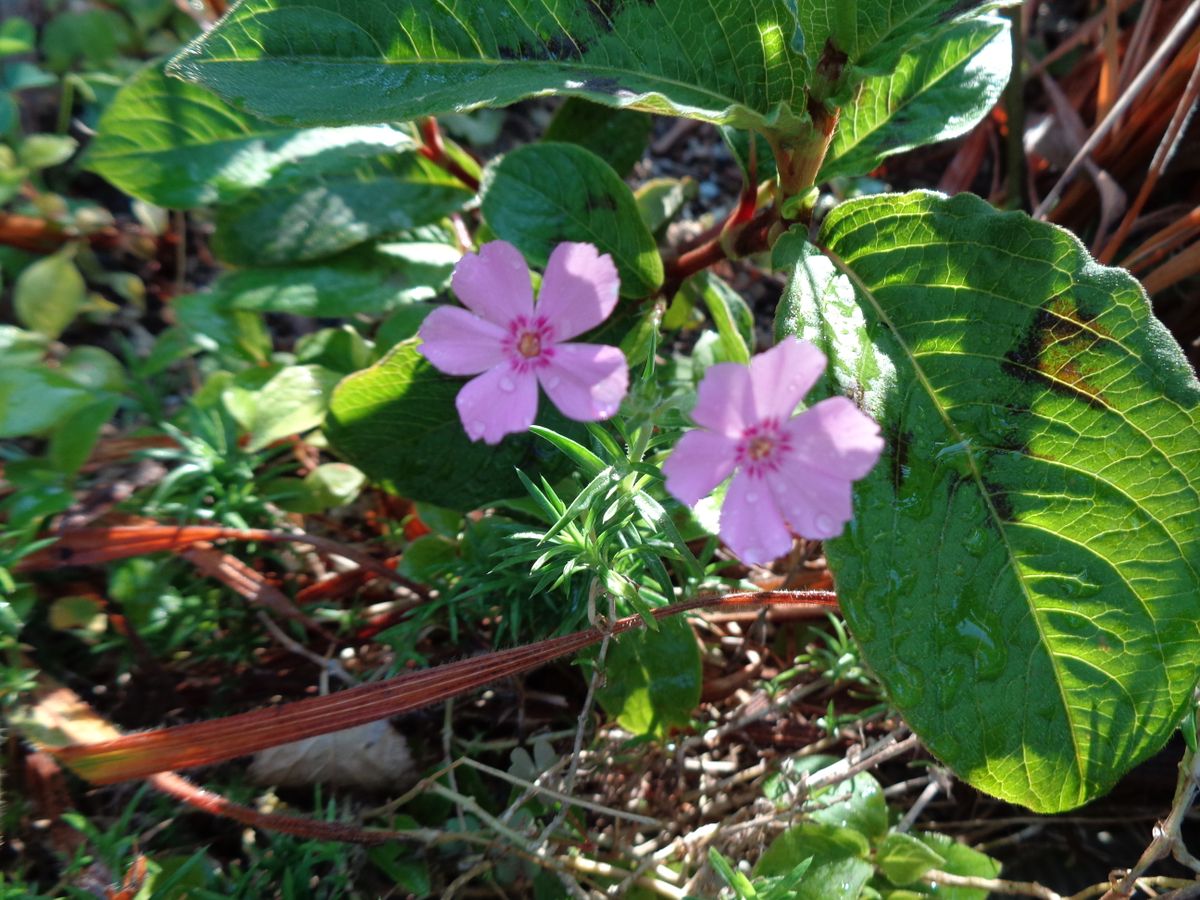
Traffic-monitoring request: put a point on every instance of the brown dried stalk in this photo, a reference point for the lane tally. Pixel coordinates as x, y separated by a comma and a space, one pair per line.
203, 743
1182, 29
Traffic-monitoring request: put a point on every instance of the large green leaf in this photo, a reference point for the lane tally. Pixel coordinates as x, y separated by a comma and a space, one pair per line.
177, 145
301, 214
938, 91
346, 61
1022, 569
308, 290
618, 136
745, 64
397, 423
364, 281
543, 194
843, 40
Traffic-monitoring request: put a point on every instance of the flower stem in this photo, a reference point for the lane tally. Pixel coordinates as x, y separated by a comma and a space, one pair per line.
433, 148
753, 238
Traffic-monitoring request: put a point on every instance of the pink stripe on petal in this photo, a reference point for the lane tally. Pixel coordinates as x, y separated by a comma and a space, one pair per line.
815, 505
579, 289
783, 375
587, 382
460, 343
499, 402
837, 438
750, 522
494, 283
724, 401
700, 461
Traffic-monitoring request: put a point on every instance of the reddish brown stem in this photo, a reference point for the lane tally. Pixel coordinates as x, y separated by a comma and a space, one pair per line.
751, 239
41, 236
91, 546
181, 789
434, 150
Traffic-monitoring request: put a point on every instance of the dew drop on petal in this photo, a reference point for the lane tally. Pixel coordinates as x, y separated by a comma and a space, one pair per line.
751, 497
507, 384
551, 382
477, 429
824, 523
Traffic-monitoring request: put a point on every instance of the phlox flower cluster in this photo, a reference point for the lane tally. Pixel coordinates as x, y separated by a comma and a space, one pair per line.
791, 474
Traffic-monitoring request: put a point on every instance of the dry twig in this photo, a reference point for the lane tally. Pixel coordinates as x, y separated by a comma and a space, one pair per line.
1183, 27
1168, 839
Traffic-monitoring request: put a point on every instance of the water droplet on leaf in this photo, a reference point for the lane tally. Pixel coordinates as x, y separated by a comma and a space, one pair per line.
977, 639
948, 684
901, 583
907, 684
955, 456
1073, 622
976, 542
863, 628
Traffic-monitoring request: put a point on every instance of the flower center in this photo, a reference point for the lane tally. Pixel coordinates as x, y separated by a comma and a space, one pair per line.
762, 448
529, 344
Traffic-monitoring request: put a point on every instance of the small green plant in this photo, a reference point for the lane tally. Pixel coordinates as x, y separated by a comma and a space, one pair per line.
309, 309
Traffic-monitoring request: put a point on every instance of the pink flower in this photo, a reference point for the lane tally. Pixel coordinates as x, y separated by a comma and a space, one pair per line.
788, 472
518, 346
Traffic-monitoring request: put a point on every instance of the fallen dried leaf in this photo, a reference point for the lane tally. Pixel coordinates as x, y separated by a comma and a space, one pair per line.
373, 757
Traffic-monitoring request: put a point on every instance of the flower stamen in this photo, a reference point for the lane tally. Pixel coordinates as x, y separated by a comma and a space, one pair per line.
529, 344
760, 448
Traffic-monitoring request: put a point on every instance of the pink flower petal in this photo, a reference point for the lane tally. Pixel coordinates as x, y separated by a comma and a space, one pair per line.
751, 524
815, 505
836, 438
700, 461
579, 289
725, 400
460, 343
494, 283
500, 401
587, 382
783, 375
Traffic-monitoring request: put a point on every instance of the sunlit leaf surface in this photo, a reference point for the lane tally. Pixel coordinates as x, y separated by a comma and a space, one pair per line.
1024, 568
